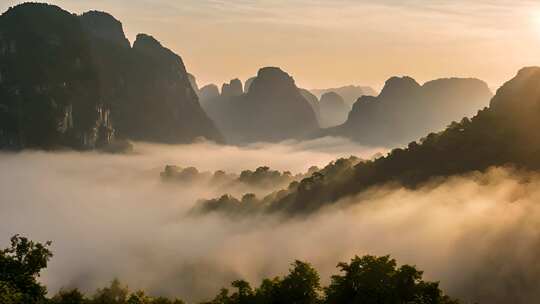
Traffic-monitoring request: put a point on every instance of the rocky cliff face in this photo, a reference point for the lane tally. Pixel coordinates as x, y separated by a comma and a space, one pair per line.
75, 81
49, 88
272, 110
406, 110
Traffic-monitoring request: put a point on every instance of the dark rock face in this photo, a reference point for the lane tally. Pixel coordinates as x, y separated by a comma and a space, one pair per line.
75, 81
194, 85
405, 110
333, 110
350, 94
104, 26
272, 110
49, 89
232, 89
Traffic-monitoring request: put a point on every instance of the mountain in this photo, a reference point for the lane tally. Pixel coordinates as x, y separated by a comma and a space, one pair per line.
232, 89
272, 110
333, 110
350, 93
248, 83
313, 102
193, 81
75, 81
208, 93
405, 110
502, 134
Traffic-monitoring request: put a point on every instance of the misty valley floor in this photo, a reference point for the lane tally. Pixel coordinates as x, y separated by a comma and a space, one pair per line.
111, 216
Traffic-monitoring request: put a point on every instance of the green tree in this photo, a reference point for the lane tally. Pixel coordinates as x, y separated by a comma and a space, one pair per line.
377, 280
114, 294
20, 265
8, 295
301, 285
73, 296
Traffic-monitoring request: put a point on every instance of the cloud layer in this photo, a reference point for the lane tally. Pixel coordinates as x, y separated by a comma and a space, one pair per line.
111, 216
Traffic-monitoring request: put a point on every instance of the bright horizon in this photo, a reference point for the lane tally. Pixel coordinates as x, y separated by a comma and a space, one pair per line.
324, 43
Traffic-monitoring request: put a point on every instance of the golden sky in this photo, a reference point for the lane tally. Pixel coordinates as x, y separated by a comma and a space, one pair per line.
326, 43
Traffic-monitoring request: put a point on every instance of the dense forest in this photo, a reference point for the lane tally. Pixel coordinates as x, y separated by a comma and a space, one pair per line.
367, 279
502, 134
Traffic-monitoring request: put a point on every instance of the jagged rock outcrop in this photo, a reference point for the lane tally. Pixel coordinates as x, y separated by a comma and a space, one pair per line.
232, 89
333, 110
75, 81
272, 110
350, 93
405, 110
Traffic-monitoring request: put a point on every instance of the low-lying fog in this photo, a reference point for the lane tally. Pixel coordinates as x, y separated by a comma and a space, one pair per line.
112, 216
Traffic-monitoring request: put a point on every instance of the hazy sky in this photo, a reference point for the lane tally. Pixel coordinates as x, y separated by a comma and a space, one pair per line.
325, 43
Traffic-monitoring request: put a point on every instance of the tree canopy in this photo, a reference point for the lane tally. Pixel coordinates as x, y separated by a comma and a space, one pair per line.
366, 280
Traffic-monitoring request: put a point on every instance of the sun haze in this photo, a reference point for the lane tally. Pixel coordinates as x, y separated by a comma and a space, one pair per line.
327, 43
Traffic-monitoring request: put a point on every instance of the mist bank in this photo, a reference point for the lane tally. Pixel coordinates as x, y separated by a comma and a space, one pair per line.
112, 216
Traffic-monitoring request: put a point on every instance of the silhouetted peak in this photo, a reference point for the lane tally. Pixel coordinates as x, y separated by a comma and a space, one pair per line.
361, 104
272, 79
520, 94
397, 86
148, 45
104, 26
248, 83
145, 41
332, 98
33, 7
208, 92
233, 88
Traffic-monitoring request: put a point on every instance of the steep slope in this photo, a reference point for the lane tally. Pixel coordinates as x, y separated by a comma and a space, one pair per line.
503, 134
48, 84
75, 81
313, 102
151, 94
272, 110
405, 110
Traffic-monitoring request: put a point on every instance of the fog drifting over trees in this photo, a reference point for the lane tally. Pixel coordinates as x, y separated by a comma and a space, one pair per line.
112, 216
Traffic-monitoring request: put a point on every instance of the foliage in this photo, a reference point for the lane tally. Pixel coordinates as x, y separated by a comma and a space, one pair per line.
20, 266
367, 279
372, 280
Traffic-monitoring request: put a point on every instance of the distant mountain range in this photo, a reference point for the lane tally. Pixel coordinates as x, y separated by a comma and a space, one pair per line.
502, 134
405, 110
350, 93
75, 81
273, 109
